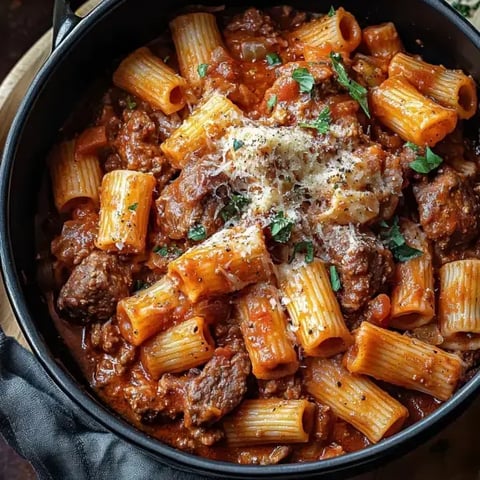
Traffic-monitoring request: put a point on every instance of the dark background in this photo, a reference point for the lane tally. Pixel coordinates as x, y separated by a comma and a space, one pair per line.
22, 23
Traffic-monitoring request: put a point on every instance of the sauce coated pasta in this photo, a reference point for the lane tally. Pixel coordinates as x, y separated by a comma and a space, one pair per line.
270, 236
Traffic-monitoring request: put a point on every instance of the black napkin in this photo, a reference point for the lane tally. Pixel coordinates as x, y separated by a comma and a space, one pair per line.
44, 426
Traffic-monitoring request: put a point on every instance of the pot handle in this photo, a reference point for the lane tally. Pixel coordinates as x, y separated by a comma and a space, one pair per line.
64, 20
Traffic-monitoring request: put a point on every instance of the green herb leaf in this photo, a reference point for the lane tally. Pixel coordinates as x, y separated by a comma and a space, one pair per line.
322, 123
140, 285
331, 12
162, 251
426, 164
355, 90
466, 10
412, 146
335, 279
271, 102
273, 59
392, 238
197, 233
130, 102
303, 247
237, 144
304, 79
202, 70
235, 205
133, 206
281, 228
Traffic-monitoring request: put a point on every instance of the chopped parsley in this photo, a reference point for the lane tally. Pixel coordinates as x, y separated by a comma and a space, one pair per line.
197, 233
355, 90
237, 144
331, 12
335, 279
133, 207
322, 123
427, 163
273, 59
281, 228
165, 250
272, 101
304, 79
392, 238
303, 247
412, 146
202, 70
130, 102
235, 205
466, 10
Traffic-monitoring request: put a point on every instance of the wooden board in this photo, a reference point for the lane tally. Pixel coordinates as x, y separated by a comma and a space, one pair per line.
453, 454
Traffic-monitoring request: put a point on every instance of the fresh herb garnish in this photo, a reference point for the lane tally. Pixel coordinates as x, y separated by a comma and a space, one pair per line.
412, 146
304, 79
273, 59
271, 102
133, 207
466, 10
335, 279
197, 233
322, 123
427, 163
140, 285
355, 90
393, 239
303, 247
164, 250
331, 12
235, 205
130, 102
281, 228
237, 144
202, 70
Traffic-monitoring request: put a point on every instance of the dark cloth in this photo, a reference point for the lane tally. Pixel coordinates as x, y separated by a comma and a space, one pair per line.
44, 426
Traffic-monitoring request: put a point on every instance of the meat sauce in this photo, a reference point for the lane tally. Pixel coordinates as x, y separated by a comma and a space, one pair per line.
184, 410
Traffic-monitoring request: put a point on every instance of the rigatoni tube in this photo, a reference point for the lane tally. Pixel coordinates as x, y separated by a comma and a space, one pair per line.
149, 78
413, 297
195, 36
206, 123
263, 325
459, 304
186, 345
450, 88
272, 420
339, 32
124, 211
416, 118
404, 361
228, 261
354, 398
149, 311
75, 177
313, 308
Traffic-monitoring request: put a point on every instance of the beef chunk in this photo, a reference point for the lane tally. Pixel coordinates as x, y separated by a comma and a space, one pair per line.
94, 288
220, 387
264, 455
190, 199
289, 388
77, 239
448, 208
365, 265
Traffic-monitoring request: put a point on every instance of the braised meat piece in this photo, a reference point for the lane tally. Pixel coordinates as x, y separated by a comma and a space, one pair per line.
190, 199
365, 265
448, 208
289, 388
94, 288
221, 385
76, 240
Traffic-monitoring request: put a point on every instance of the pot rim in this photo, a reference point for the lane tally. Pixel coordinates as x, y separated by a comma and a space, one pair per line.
99, 411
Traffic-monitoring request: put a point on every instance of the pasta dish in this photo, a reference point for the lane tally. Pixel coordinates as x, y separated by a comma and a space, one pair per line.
266, 237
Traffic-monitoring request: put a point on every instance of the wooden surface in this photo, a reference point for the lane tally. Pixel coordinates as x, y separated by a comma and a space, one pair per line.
454, 454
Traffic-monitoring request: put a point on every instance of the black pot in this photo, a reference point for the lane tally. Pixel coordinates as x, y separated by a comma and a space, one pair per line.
89, 48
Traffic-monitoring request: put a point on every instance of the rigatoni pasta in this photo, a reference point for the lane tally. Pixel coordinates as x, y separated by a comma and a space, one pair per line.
266, 234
